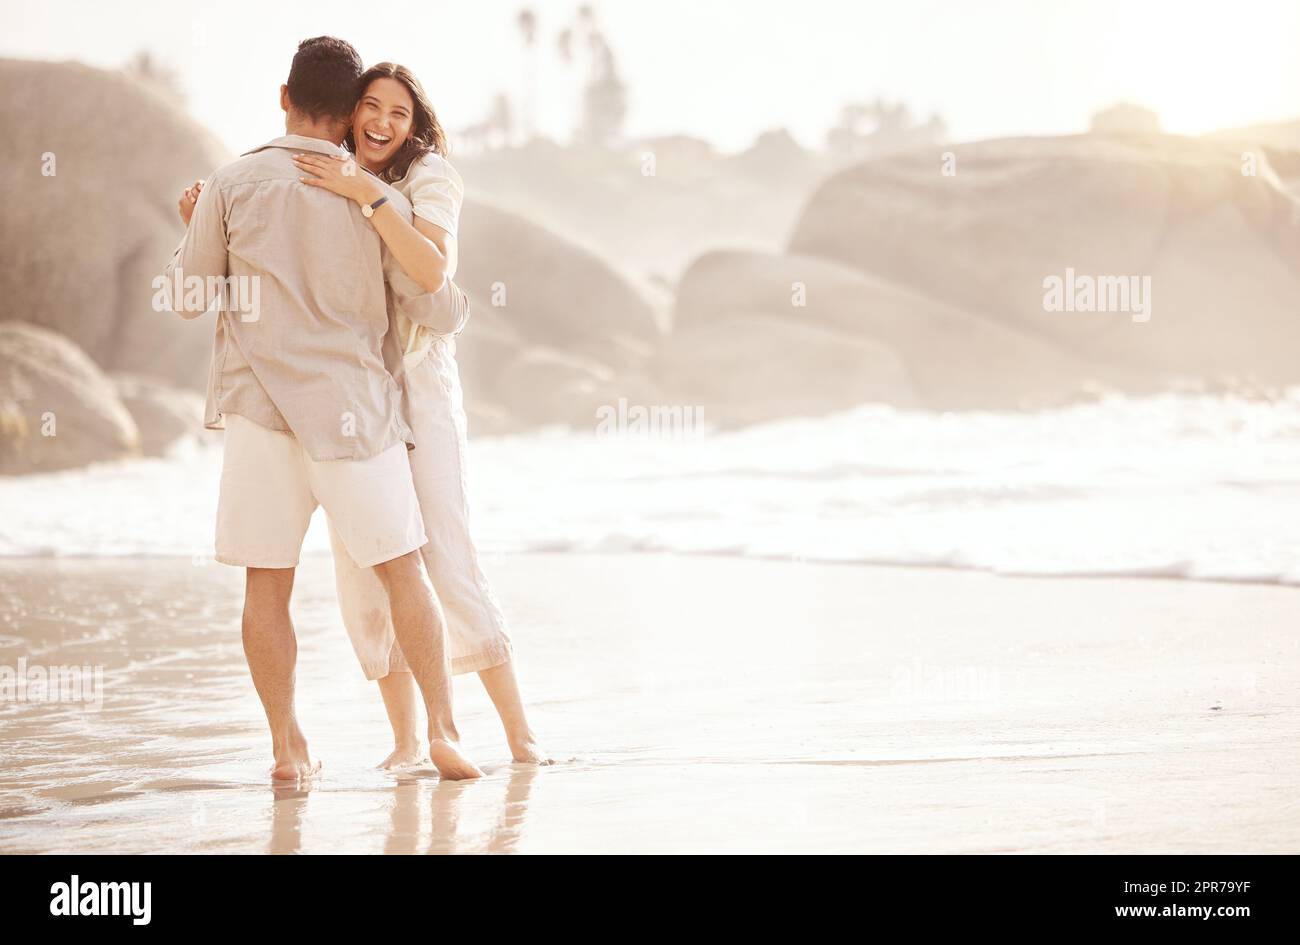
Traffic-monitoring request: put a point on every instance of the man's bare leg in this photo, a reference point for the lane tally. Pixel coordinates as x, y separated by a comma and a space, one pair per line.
503, 688
272, 651
402, 701
421, 631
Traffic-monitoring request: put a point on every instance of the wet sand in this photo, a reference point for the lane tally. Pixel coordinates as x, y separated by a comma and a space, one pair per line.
697, 704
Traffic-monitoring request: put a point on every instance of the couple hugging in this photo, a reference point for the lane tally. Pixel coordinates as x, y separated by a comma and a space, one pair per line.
343, 392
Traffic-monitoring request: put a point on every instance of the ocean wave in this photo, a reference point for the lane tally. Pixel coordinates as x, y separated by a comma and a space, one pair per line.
1183, 486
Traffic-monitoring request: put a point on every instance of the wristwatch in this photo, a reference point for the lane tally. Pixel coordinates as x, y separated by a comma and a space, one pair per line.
368, 209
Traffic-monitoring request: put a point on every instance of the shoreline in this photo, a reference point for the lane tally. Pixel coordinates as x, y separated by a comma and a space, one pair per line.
1154, 574
694, 703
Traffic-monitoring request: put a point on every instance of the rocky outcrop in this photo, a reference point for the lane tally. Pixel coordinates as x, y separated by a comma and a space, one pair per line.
89, 196
953, 358
1221, 249
57, 409
552, 290
752, 366
163, 413
552, 327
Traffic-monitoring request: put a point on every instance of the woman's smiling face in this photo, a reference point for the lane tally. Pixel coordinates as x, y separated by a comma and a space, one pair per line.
382, 122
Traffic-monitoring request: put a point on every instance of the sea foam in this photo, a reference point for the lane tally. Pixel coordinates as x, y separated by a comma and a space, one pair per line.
1178, 485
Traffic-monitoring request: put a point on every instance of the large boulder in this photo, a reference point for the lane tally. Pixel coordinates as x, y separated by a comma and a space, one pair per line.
752, 367
488, 343
1275, 146
545, 386
551, 290
57, 409
554, 329
1222, 249
955, 359
81, 247
164, 414
1282, 135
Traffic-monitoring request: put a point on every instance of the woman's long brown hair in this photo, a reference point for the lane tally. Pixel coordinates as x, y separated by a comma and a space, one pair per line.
426, 133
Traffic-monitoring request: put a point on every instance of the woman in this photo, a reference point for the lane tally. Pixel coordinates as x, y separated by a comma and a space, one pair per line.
396, 136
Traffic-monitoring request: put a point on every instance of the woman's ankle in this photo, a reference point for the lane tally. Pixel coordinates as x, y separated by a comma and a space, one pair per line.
520, 734
407, 743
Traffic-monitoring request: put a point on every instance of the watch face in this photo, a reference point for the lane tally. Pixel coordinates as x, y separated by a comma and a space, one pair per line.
367, 210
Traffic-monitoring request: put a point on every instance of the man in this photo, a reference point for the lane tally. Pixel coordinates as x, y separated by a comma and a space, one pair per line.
298, 381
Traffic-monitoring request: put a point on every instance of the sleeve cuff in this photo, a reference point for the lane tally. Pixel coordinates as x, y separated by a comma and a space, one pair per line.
437, 216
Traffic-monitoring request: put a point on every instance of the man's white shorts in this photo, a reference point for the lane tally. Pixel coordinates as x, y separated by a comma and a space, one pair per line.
270, 487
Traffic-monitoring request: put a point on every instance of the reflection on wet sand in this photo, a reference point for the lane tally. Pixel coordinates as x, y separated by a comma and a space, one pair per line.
288, 810
419, 799
424, 815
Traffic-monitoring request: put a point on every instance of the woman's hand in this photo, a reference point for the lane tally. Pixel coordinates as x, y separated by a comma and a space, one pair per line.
185, 206
339, 175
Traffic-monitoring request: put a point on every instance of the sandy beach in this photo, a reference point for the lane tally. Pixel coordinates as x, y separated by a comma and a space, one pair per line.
695, 703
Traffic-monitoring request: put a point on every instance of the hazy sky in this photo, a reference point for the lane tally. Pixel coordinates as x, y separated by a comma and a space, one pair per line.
726, 70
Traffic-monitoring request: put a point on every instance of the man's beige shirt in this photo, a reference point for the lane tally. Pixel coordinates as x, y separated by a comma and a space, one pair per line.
305, 290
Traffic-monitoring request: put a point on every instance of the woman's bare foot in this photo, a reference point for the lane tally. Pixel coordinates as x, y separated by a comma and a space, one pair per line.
401, 699
451, 764
503, 688
406, 756
525, 749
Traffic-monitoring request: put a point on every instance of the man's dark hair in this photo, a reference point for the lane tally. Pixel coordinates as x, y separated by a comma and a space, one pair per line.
323, 78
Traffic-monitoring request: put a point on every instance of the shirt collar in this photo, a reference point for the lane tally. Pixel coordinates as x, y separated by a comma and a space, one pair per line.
301, 143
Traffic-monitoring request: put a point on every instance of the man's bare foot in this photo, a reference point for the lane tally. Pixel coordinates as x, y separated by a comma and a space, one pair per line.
293, 762
451, 764
525, 750
295, 769
406, 756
